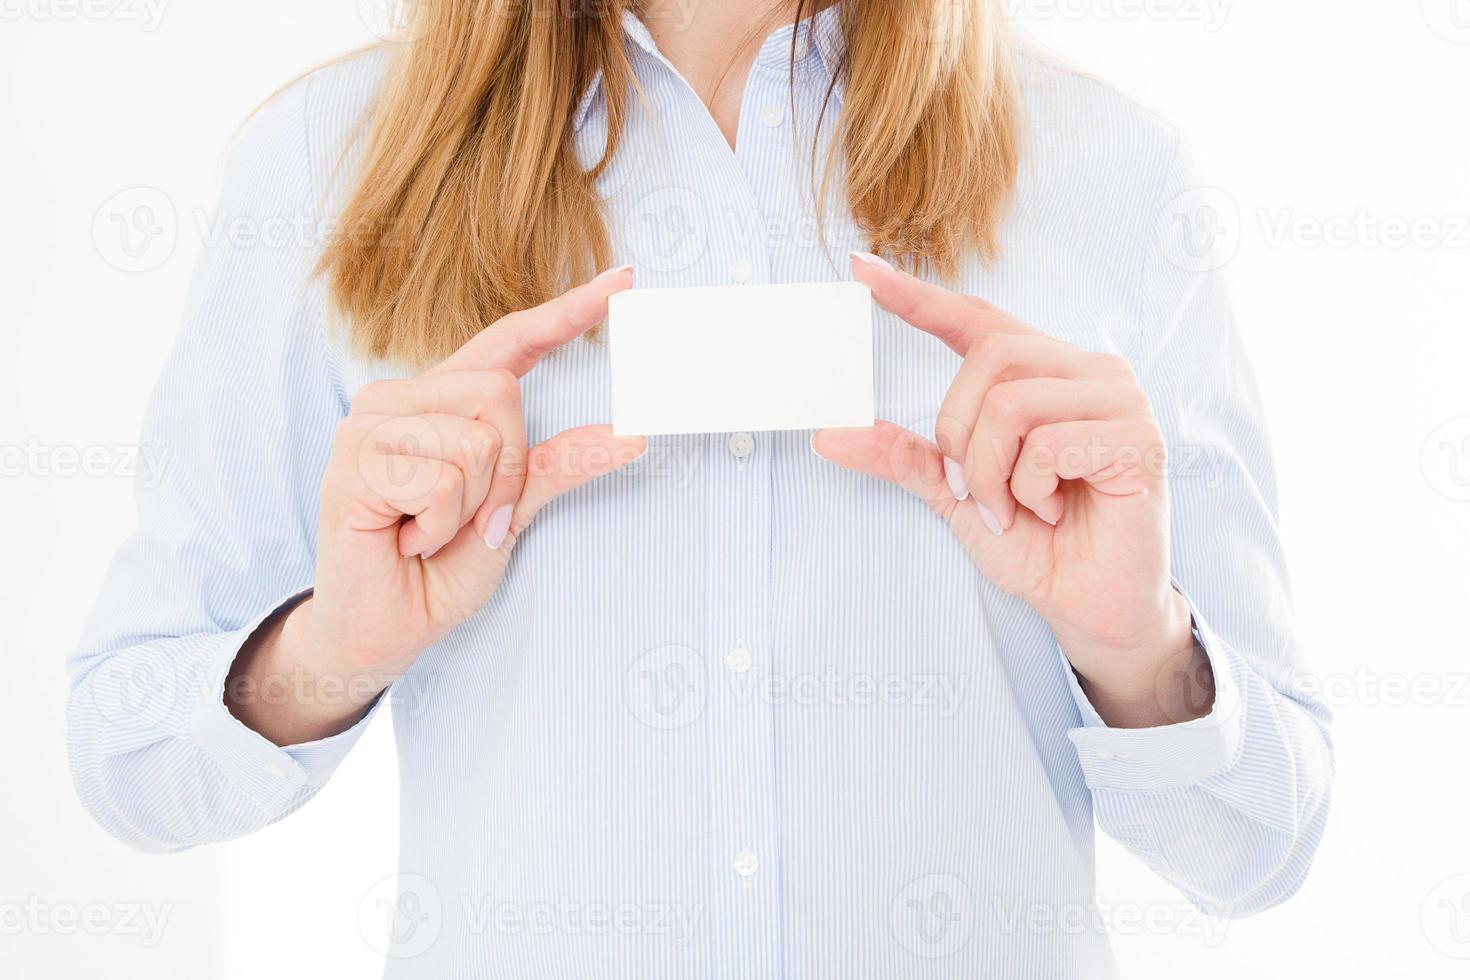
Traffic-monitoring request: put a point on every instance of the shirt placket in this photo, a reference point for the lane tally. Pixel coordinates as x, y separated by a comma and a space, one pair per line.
746, 689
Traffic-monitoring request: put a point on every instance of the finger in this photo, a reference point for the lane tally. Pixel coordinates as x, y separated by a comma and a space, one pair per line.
567, 461
492, 522
912, 463
430, 491
890, 453
953, 318
1116, 458
1011, 410
472, 445
517, 342
471, 394
993, 359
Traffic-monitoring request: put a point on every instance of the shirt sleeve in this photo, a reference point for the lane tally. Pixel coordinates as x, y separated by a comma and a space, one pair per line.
1229, 807
243, 417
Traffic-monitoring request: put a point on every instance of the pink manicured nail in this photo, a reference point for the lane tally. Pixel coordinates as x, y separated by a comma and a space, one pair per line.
871, 259
498, 526
991, 521
955, 474
610, 272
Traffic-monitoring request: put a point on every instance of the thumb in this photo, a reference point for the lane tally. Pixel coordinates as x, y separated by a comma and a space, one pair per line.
889, 453
568, 460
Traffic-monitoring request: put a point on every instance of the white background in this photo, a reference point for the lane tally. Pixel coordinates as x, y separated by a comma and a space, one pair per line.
1330, 126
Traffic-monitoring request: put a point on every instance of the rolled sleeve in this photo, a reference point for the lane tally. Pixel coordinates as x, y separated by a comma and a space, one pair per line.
268, 774
1169, 756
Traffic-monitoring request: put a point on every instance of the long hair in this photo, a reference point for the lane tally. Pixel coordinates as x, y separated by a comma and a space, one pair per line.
471, 202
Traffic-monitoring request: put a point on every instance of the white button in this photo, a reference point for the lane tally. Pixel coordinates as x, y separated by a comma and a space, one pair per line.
742, 444
741, 270
746, 864
276, 770
739, 660
772, 115
1105, 755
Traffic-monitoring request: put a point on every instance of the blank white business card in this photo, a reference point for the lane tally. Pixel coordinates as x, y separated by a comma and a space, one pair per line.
741, 358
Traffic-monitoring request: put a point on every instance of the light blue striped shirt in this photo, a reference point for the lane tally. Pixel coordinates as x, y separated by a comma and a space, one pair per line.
735, 712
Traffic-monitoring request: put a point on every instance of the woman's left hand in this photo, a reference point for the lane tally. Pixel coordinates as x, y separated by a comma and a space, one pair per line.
1049, 467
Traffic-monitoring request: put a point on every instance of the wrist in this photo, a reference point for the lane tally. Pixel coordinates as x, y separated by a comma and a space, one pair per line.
1156, 676
281, 686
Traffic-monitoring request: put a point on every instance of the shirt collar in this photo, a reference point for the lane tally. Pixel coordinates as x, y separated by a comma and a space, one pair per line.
822, 31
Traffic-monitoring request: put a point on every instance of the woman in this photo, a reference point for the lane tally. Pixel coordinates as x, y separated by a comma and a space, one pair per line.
751, 704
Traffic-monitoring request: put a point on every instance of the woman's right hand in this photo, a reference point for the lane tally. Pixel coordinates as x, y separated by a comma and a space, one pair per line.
429, 485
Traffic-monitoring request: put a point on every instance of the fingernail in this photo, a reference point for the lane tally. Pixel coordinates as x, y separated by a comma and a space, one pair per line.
610, 272
991, 521
430, 553
955, 474
871, 259
498, 526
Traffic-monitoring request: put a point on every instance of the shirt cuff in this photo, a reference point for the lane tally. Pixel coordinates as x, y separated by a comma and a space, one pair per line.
1170, 756
270, 775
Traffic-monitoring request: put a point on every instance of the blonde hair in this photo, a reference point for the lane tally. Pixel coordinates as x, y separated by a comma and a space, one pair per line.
471, 202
